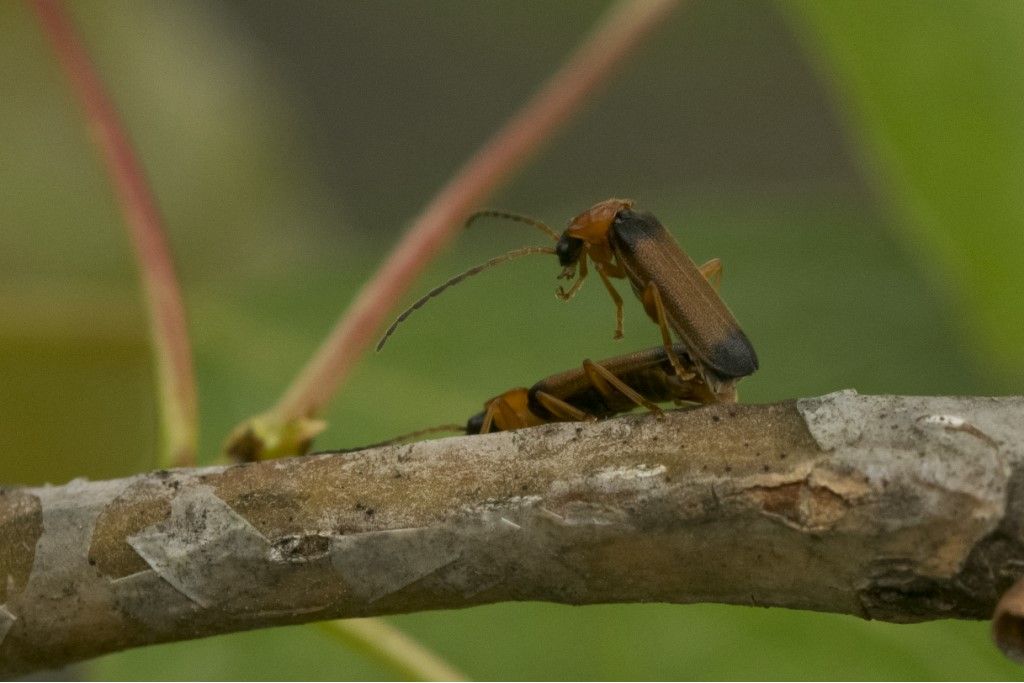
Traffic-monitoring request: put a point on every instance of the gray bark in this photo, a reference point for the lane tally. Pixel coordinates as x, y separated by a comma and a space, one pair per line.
894, 508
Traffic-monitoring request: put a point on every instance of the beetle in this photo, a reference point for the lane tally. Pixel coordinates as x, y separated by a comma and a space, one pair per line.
598, 390
676, 294
593, 391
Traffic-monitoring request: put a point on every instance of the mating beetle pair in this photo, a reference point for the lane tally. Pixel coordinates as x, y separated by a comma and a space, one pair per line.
712, 354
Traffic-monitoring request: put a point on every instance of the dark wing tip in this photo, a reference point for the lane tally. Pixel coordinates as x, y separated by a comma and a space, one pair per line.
734, 357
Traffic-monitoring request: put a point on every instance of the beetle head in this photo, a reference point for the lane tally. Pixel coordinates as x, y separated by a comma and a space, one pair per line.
475, 424
568, 250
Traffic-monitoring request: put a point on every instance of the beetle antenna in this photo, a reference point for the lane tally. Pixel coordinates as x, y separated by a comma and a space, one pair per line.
406, 437
518, 218
525, 251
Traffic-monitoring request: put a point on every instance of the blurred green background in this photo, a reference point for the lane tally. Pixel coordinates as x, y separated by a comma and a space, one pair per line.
857, 165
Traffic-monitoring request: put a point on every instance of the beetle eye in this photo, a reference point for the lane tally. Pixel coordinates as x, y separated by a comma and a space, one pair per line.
568, 250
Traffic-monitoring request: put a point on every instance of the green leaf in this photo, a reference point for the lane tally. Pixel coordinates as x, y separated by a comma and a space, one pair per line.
934, 94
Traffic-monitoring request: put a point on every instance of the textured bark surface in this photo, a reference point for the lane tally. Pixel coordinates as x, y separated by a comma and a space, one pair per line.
895, 508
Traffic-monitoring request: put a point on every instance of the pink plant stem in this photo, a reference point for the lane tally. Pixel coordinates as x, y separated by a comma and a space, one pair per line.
166, 310
620, 31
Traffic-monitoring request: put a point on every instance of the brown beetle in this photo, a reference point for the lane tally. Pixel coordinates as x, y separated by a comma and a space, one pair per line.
597, 390
676, 294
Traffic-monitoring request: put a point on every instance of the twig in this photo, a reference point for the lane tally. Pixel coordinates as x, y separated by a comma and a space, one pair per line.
381, 641
894, 508
615, 37
168, 326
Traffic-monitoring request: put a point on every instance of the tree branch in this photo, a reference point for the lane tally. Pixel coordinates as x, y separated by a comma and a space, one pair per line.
894, 508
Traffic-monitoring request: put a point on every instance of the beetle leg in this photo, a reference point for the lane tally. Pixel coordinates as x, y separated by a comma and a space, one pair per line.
492, 406
712, 272
656, 309
615, 298
566, 294
604, 380
510, 418
614, 268
503, 414
562, 410
727, 394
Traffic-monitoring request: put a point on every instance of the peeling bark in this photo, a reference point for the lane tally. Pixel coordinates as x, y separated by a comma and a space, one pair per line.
894, 508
